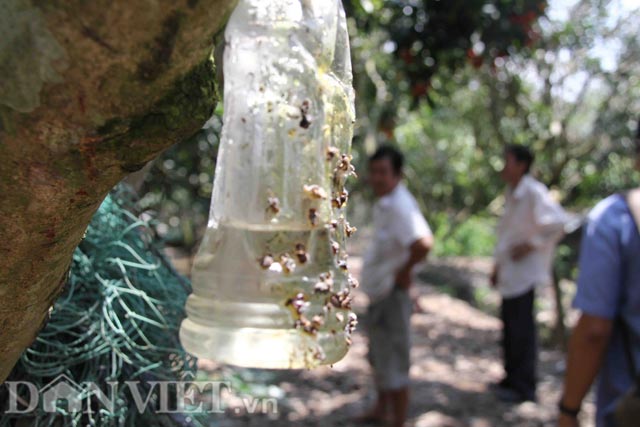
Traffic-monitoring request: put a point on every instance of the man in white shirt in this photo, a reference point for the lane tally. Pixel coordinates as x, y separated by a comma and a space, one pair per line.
529, 230
402, 238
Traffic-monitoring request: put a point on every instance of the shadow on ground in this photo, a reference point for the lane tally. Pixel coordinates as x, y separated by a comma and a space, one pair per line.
455, 355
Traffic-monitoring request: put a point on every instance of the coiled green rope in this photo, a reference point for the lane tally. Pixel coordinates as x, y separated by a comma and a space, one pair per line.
117, 320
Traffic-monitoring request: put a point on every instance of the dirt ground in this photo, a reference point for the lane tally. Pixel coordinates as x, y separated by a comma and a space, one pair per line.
455, 355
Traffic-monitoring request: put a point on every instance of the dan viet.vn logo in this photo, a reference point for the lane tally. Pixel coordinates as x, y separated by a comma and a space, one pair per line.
162, 397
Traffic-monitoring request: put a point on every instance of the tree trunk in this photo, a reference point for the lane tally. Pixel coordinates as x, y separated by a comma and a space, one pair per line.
560, 336
89, 92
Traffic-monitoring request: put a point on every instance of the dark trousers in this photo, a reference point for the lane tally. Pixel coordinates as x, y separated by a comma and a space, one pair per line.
520, 344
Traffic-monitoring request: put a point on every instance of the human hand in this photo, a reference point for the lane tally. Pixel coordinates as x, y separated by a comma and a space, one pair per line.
520, 251
403, 279
493, 279
568, 421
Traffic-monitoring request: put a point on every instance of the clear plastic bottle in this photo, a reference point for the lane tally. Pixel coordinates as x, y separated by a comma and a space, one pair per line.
270, 286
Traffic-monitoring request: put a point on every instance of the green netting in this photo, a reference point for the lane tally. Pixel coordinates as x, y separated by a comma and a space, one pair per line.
117, 320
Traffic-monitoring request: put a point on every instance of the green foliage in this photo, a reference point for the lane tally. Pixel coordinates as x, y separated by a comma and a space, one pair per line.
178, 186
425, 36
577, 111
474, 237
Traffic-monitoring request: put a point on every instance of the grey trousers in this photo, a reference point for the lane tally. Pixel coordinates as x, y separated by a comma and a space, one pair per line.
388, 324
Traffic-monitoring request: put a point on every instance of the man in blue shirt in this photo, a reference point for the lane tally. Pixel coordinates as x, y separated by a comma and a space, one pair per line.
608, 294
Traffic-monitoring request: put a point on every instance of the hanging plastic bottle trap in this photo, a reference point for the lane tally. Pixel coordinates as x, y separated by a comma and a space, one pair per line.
270, 282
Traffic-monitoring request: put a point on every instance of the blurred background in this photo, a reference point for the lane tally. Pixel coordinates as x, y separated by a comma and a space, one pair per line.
451, 83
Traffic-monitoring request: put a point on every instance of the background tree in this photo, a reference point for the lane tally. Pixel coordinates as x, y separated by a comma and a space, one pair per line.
402, 45
573, 96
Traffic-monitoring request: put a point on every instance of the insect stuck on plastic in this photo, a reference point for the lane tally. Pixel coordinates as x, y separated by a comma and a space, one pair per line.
298, 303
313, 216
341, 299
353, 282
304, 324
344, 169
340, 200
335, 247
332, 153
309, 326
319, 354
273, 205
266, 261
317, 321
301, 253
314, 192
305, 122
324, 284
352, 323
349, 230
287, 263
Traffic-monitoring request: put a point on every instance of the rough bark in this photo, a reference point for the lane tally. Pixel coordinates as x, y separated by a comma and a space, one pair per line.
89, 92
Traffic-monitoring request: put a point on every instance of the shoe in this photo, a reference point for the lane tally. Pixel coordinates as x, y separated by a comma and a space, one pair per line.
509, 395
504, 383
370, 418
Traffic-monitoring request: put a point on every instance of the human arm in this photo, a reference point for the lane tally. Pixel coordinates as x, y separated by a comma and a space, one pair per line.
549, 219
587, 349
521, 250
419, 249
413, 232
598, 297
493, 279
